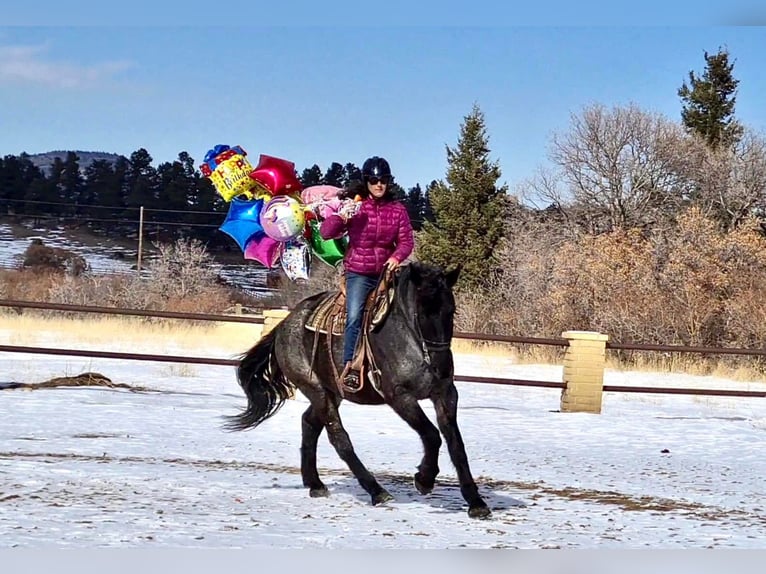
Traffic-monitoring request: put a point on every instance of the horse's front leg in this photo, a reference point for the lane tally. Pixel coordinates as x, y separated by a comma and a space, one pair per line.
312, 427
408, 408
446, 415
342, 443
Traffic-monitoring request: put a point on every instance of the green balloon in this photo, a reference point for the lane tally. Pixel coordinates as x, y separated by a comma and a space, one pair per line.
329, 251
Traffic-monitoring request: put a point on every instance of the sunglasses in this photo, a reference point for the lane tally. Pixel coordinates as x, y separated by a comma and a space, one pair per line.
374, 180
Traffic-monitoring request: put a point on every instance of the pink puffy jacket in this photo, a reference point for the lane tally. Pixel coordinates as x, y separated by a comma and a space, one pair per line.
380, 229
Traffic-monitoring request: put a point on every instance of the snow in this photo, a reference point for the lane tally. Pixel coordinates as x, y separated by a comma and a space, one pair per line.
91, 467
95, 467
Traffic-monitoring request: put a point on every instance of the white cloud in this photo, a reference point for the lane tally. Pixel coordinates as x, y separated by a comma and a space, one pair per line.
33, 65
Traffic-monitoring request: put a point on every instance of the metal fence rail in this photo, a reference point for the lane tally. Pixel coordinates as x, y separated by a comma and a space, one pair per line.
461, 378
136, 312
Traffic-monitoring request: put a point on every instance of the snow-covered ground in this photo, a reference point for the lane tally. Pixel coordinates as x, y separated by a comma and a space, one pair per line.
93, 467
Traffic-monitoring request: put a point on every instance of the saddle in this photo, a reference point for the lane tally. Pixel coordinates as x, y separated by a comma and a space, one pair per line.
329, 319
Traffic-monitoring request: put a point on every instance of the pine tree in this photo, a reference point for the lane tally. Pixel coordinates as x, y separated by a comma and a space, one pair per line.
311, 176
72, 183
468, 209
335, 175
709, 102
415, 204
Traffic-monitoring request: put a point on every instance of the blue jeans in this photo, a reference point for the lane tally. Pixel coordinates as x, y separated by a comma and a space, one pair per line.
358, 287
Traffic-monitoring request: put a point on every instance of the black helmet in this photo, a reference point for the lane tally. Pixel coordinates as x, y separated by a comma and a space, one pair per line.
376, 167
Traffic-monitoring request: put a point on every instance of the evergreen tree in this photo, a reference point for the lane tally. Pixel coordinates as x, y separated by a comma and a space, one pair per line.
709, 102
335, 176
72, 184
415, 204
311, 176
468, 208
353, 173
428, 210
16, 175
99, 186
141, 181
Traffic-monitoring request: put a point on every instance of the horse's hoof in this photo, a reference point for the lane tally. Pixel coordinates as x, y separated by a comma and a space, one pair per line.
479, 512
319, 492
422, 488
381, 498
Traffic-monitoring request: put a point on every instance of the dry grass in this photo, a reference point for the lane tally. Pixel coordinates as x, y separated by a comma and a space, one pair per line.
110, 333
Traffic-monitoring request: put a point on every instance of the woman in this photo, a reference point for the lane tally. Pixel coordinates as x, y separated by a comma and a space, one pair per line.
379, 237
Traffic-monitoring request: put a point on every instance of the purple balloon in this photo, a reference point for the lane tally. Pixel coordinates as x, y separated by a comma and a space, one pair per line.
263, 249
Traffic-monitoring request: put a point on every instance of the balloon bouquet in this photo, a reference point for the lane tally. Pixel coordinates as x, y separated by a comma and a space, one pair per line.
273, 219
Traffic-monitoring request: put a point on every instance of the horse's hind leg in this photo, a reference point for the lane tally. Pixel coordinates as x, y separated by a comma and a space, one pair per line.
342, 443
446, 416
409, 409
312, 428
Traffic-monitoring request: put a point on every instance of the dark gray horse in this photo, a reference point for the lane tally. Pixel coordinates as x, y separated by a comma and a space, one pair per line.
412, 351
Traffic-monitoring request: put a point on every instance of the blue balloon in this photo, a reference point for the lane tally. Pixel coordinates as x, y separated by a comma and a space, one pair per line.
241, 222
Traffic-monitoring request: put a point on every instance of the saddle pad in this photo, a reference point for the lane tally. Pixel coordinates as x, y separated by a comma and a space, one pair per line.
329, 314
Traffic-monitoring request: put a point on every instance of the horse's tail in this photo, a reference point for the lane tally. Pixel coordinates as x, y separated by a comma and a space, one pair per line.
264, 383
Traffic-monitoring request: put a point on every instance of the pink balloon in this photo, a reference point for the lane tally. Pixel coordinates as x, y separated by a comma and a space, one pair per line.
263, 249
317, 192
327, 194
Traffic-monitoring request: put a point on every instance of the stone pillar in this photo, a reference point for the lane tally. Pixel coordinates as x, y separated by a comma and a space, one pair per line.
583, 372
271, 318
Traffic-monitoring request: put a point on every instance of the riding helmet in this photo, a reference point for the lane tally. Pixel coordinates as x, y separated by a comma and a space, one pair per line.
376, 167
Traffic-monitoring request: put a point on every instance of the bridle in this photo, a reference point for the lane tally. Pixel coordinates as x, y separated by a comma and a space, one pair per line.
427, 345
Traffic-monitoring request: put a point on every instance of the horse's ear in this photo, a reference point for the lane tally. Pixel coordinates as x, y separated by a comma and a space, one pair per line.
452, 276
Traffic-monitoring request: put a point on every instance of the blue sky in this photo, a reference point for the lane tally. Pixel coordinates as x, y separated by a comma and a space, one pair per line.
320, 94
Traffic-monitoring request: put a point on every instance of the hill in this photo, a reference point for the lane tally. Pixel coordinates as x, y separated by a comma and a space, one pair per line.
45, 160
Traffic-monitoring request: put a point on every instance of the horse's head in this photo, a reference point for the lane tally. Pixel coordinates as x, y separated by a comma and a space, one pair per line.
425, 297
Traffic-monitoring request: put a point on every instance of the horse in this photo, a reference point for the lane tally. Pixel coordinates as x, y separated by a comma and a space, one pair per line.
411, 347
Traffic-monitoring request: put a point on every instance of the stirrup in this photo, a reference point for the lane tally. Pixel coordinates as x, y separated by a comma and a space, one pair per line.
352, 382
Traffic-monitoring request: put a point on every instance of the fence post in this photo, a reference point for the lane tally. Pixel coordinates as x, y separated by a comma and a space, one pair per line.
584, 362
271, 318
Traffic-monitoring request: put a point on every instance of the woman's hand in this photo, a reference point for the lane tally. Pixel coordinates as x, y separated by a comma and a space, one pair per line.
392, 264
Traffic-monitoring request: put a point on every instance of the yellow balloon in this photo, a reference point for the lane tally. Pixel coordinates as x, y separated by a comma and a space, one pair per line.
231, 178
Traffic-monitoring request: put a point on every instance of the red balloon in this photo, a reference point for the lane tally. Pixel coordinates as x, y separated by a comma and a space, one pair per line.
276, 175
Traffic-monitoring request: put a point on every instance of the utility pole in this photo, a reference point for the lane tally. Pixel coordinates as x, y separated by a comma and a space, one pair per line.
140, 236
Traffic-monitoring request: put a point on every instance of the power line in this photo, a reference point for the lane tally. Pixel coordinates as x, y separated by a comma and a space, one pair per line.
112, 207
112, 220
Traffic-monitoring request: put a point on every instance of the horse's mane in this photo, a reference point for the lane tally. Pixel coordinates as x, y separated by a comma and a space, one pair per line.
429, 281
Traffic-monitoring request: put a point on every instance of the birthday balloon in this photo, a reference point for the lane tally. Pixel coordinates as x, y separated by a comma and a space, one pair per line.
282, 218
296, 259
275, 176
229, 171
242, 222
263, 249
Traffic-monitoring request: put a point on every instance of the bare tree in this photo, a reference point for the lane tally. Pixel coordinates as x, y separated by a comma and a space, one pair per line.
616, 168
727, 183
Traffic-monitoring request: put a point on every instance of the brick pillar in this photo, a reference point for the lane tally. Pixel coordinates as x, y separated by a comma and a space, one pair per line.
271, 318
583, 372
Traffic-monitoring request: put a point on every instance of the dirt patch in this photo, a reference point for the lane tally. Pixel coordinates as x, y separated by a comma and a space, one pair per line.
89, 379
